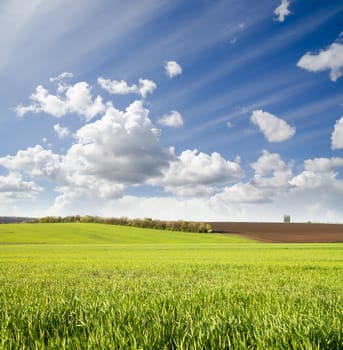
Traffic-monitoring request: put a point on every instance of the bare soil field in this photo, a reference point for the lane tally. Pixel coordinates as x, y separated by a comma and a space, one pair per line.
282, 232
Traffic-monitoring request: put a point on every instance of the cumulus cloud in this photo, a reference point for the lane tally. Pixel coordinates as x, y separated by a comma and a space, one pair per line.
74, 99
121, 146
268, 163
316, 191
172, 69
282, 10
319, 175
35, 162
272, 176
61, 131
337, 135
318, 183
273, 128
322, 165
271, 172
310, 179
13, 187
120, 149
195, 173
80, 101
121, 87
146, 87
329, 59
172, 119
310, 195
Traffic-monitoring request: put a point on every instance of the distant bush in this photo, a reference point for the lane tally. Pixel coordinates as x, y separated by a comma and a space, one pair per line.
181, 225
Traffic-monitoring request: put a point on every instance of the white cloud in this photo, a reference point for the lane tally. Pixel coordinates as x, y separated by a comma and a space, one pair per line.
195, 173
272, 176
172, 69
167, 208
121, 87
282, 11
314, 194
321, 187
14, 187
321, 165
337, 135
44, 102
61, 77
61, 131
315, 197
273, 128
172, 119
310, 179
329, 59
35, 162
69, 99
80, 101
271, 172
146, 87
242, 193
122, 147
268, 163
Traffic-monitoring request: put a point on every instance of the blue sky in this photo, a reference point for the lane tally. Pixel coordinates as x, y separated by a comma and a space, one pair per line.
199, 109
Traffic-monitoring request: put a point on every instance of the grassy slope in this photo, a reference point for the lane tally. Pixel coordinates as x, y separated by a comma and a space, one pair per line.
79, 233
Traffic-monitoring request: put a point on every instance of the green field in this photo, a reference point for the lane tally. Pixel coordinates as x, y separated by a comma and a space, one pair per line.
92, 286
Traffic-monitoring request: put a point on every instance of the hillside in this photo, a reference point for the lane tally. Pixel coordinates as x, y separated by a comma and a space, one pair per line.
82, 233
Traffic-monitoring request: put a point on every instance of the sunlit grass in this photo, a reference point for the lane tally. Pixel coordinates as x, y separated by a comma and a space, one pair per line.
79, 233
131, 290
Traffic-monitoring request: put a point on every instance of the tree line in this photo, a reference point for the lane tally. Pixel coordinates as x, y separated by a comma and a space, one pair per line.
180, 225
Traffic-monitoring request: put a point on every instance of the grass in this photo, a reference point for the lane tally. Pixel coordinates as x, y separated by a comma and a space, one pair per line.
89, 286
78, 233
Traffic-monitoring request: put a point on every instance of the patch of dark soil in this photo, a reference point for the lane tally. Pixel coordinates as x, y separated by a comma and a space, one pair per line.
282, 232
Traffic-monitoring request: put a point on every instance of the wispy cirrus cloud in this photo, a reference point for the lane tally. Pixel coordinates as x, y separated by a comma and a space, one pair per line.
61, 77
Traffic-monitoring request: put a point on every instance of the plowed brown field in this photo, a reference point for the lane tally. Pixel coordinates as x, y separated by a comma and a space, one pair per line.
283, 233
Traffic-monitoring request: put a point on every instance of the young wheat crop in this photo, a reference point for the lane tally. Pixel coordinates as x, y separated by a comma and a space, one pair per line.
197, 294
